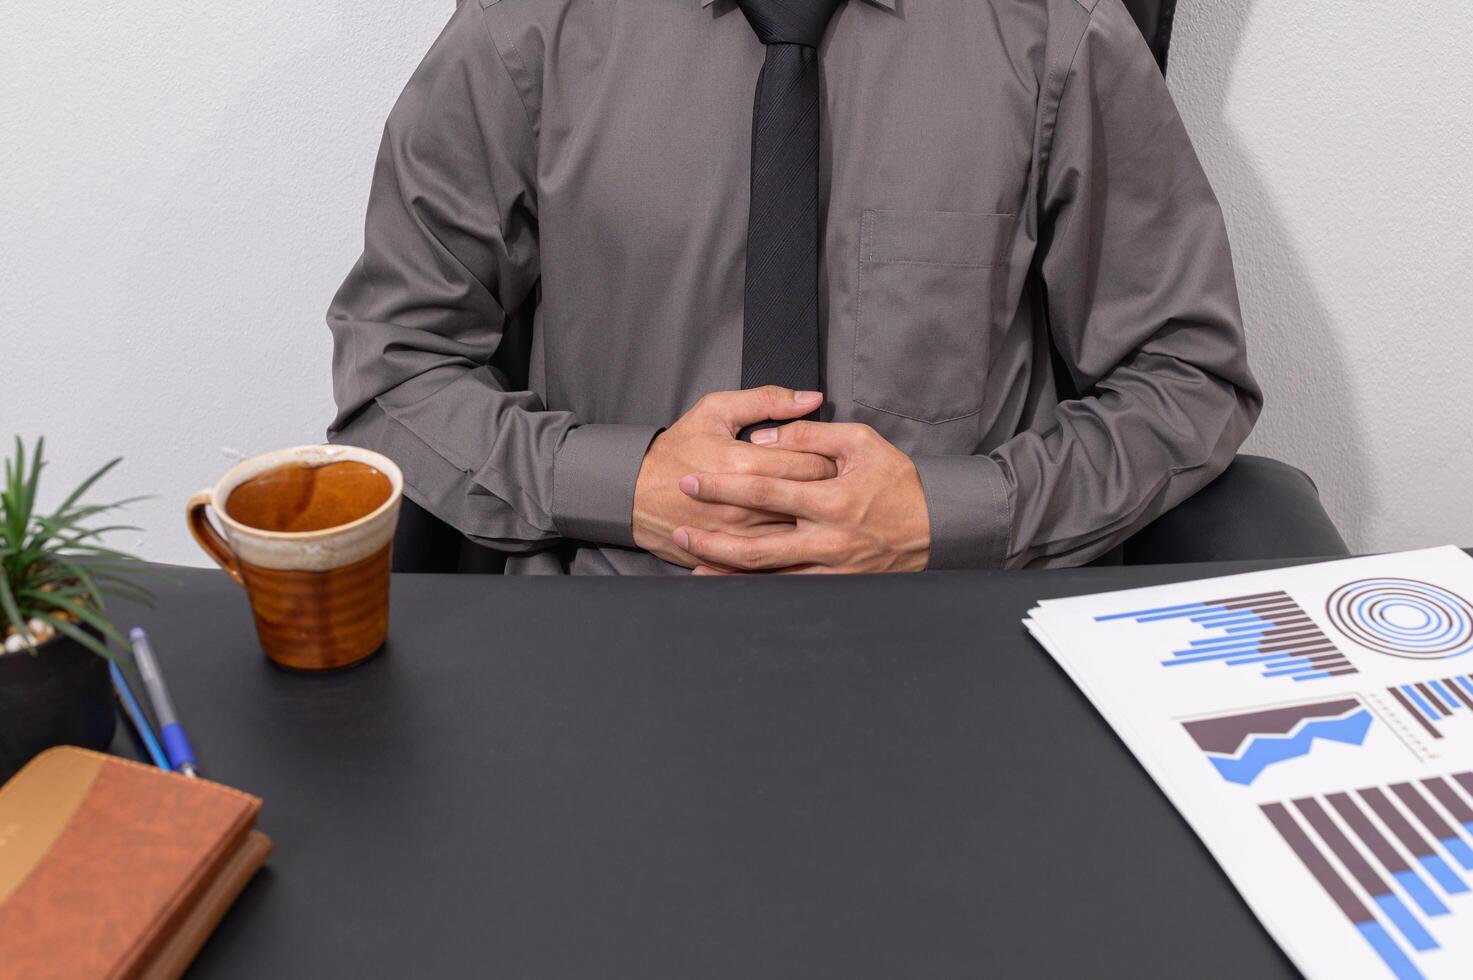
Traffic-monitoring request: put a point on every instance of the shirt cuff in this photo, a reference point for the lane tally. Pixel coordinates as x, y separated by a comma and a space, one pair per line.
967, 497
593, 480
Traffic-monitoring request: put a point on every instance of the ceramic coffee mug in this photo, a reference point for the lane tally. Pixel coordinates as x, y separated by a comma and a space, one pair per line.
307, 533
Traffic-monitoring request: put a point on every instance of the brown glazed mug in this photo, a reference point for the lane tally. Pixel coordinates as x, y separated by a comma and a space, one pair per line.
307, 532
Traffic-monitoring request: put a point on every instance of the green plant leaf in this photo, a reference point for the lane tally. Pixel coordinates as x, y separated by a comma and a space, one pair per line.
85, 485
12, 612
82, 575
54, 567
76, 514
91, 616
96, 550
37, 464
81, 636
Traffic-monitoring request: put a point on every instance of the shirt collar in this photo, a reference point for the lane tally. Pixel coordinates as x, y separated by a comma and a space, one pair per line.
887, 4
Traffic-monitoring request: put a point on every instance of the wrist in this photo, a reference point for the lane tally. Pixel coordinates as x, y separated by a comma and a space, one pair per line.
915, 549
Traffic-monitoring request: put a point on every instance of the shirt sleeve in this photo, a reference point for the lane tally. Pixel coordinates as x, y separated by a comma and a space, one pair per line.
1143, 308
450, 254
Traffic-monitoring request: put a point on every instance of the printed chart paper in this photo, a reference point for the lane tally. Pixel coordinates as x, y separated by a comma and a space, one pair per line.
1315, 727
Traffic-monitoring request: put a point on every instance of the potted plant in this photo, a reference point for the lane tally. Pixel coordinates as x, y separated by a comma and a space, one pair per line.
54, 629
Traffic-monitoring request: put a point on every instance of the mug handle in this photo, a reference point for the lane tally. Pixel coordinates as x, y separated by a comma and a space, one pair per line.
209, 539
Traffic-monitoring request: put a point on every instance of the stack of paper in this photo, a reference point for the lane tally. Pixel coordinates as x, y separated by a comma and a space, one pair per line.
1315, 727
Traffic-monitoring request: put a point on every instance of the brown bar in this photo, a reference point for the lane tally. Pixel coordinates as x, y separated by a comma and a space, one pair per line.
1389, 856
1245, 600
1418, 804
1306, 628
1339, 673
1314, 643
1264, 609
1430, 695
1317, 864
1448, 797
1343, 849
1456, 688
1465, 780
1399, 825
1297, 618
1415, 712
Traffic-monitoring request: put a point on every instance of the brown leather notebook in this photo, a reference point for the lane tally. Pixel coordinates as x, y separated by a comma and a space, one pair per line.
109, 868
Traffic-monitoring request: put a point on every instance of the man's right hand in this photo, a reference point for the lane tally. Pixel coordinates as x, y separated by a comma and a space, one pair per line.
704, 440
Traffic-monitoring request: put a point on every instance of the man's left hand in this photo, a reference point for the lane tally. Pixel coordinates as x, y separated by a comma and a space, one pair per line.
872, 517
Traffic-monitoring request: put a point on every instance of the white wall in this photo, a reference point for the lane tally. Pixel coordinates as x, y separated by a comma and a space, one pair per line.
1339, 136
182, 187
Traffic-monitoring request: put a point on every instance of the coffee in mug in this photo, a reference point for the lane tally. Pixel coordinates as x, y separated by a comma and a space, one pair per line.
308, 533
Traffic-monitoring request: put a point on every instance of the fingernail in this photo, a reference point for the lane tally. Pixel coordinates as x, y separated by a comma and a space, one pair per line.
803, 397
764, 437
701, 570
682, 538
690, 486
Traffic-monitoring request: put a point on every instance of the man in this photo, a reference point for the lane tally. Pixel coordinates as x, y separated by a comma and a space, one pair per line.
598, 251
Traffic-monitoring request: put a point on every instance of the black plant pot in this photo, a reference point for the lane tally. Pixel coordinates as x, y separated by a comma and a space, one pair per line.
60, 695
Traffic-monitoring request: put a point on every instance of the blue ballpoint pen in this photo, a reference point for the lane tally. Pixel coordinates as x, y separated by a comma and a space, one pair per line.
176, 742
137, 717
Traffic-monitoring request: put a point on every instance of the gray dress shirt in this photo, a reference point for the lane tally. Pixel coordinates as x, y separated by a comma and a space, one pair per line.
1013, 215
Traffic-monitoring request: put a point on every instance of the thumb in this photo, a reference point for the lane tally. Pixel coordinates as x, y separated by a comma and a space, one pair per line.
739, 409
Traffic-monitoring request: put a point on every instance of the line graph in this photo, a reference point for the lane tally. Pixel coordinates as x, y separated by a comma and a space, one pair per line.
1242, 745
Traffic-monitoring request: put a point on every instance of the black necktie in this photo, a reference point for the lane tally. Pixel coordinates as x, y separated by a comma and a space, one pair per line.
780, 332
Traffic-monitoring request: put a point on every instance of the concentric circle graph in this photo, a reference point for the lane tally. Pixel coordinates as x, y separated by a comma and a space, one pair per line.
1403, 618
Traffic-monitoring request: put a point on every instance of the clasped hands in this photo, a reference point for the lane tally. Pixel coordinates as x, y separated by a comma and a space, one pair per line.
802, 498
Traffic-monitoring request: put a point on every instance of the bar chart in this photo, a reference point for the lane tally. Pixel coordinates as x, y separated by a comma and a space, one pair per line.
1396, 861
1268, 632
1431, 703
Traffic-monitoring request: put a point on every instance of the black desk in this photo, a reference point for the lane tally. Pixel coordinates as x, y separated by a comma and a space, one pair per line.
751, 778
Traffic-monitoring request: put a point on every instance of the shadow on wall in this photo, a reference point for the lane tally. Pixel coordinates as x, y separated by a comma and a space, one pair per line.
1310, 418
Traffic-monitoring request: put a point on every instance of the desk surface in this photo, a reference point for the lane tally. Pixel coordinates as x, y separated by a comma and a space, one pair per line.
609, 778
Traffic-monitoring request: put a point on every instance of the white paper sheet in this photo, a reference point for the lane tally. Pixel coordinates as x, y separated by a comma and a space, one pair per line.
1315, 727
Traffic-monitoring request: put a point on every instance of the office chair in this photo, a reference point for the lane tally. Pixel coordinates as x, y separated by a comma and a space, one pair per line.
1259, 508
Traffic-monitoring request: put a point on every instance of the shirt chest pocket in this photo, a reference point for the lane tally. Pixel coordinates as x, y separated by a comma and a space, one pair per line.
930, 288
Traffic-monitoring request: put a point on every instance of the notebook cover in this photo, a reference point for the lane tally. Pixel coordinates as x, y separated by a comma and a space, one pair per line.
178, 949
105, 864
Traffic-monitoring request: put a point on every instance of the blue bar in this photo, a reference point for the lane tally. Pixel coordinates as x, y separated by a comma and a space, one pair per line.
1451, 698
1402, 918
1421, 702
1289, 658
1223, 643
1390, 953
1148, 612
1426, 898
1213, 639
1312, 677
1443, 875
1262, 657
1465, 684
1201, 658
1260, 626
1459, 849
1207, 620
1301, 665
